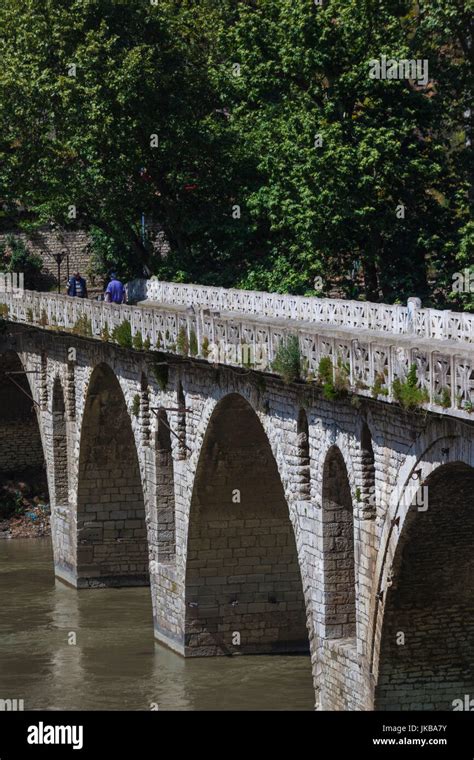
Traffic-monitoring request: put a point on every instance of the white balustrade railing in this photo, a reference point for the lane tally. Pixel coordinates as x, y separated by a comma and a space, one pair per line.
377, 343
427, 323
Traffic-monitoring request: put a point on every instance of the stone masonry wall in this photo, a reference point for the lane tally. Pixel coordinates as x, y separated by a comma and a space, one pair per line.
20, 446
46, 244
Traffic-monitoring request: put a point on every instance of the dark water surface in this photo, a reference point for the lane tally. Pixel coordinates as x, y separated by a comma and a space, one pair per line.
115, 663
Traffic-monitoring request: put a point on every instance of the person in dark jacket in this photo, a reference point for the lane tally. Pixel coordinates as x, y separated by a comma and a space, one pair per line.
77, 286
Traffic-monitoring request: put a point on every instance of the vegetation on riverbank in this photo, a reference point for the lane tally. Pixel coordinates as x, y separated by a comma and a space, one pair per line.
24, 507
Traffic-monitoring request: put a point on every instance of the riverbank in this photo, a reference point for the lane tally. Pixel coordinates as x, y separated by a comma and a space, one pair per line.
24, 506
34, 524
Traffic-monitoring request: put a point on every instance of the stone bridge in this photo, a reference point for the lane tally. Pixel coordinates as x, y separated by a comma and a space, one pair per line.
268, 514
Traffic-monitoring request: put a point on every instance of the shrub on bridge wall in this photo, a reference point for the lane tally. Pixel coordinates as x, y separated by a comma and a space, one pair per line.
136, 405
122, 334
139, 344
43, 318
205, 347
325, 372
379, 388
444, 398
137, 341
4, 309
83, 326
334, 381
182, 343
105, 334
287, 362
193, 344
408, 393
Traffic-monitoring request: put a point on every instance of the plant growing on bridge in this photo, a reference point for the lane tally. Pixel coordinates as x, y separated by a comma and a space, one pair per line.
146, 344
122, 334
325, 370
105, 334
193, 344
136, 405
29, 315
444, 398
335, 382
379, 388
4, 309
408, 393
43, 318
182, 342
137, 341
205, 347
83, 326
287, 361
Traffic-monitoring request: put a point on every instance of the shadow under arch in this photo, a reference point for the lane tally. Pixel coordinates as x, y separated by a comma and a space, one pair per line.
21, 445
427, 641
112, 547
243, 584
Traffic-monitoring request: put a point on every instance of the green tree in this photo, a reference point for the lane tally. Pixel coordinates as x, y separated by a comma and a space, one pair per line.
108, 111
252, 132
354, 173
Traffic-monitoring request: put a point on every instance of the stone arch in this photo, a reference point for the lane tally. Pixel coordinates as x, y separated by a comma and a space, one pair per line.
243, 583
60, 446
304, 470
427, 635
442, 442
21, 445
112, 537
165, 501
338, 549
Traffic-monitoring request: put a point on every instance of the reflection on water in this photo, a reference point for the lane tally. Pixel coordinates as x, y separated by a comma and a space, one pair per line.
115, 663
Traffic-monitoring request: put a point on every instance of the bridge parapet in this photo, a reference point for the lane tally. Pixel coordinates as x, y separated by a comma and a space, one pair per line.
375, 347
393, 319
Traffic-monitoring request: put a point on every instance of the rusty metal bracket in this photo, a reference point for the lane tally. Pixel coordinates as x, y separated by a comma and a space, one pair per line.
22, 372
156, 409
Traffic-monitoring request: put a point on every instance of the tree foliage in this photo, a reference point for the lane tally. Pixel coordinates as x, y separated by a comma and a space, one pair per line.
252, 132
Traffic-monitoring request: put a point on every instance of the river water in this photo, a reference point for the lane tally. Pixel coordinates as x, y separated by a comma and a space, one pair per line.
115, 664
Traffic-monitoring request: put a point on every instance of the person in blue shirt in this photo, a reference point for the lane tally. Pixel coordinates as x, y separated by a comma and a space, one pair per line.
76, 286
115, 291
